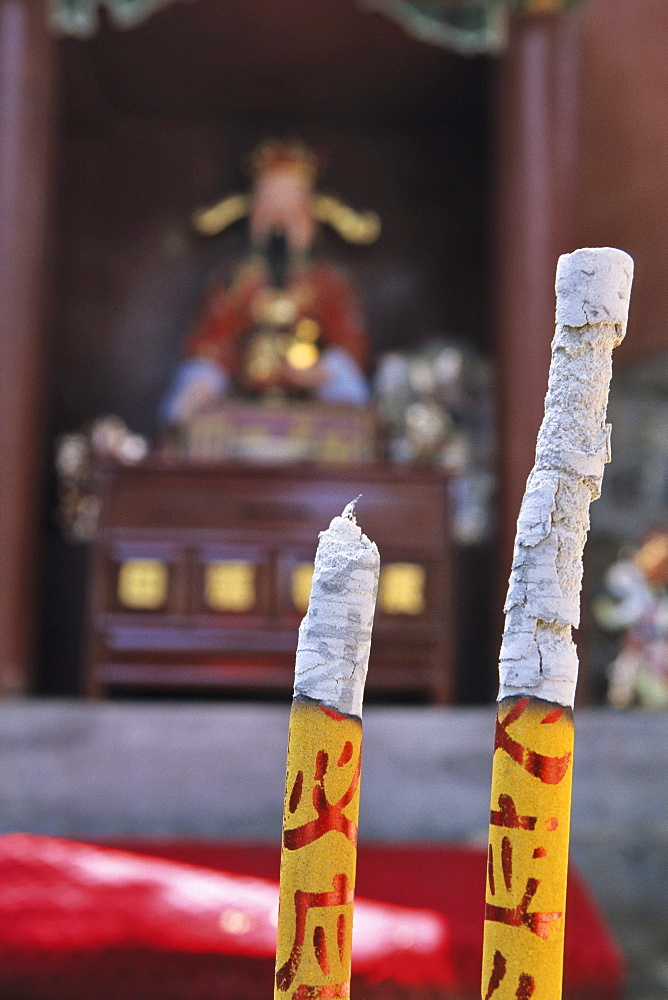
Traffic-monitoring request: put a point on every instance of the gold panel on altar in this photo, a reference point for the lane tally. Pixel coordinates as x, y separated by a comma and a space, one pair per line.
323, 433
229, 585
401, 589
300, 585
142, 584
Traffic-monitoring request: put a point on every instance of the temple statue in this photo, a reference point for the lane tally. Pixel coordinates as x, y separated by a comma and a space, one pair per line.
286, 324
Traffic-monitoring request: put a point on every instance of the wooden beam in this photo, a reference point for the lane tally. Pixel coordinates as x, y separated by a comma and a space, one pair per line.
25, 114
536, 162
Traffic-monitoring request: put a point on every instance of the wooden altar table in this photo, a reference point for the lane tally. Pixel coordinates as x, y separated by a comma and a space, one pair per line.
201, 572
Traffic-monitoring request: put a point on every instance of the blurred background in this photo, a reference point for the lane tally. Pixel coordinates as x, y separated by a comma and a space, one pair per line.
188, 393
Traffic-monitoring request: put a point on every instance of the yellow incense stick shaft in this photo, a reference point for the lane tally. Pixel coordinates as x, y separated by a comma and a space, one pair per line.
528, 851
319, 852
538, 663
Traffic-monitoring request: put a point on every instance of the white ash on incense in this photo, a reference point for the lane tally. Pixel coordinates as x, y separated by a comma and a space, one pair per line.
335, 634
538, 656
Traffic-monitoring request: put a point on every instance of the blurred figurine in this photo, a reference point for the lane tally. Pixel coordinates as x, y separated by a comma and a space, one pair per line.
436, 402
639, 608
106, 439
286, 323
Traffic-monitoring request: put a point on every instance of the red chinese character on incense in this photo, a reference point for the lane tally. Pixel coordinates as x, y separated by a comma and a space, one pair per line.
550, 770
330, 814
526, 984
506, 816
340, 895
330, 818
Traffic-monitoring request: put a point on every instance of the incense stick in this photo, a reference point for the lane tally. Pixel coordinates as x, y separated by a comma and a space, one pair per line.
532, 767
319, 849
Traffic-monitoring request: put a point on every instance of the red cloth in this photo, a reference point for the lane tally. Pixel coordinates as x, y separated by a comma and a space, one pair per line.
451, 881
133, 951
87, 921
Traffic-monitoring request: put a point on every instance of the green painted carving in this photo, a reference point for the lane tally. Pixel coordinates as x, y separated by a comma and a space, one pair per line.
80, 17
470, 27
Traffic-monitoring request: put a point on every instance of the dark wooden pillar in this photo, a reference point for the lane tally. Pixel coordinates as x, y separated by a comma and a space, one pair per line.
25, 120
536, 149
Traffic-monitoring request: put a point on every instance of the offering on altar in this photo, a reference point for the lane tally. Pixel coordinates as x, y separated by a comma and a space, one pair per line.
286, 323
276, 433
106, 439
436, 404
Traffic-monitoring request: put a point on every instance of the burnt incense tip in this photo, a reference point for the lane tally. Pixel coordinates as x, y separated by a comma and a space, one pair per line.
593, 285
349, 510
335, 634
538, 655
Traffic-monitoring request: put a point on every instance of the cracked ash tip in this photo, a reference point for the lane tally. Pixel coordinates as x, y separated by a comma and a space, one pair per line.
349, 510
593, 285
